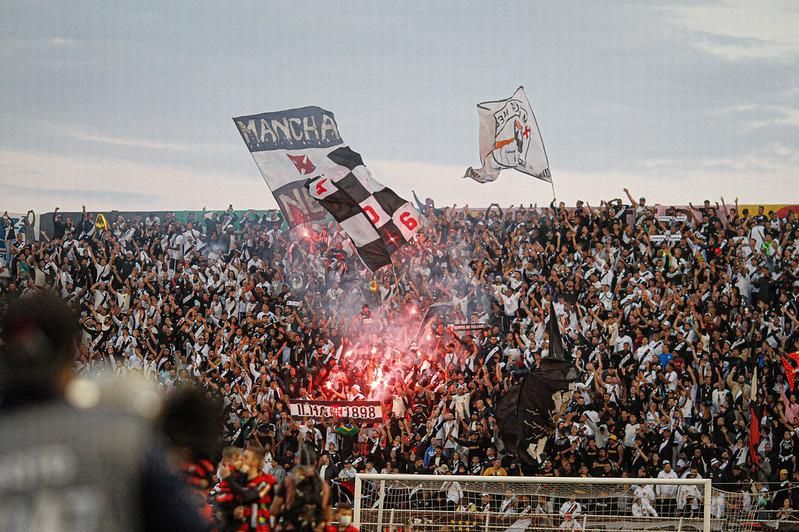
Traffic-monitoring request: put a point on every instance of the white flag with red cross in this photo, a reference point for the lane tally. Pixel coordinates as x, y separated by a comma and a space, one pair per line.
510, 138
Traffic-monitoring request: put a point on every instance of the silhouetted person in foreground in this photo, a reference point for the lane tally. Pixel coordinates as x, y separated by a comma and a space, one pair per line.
66, 461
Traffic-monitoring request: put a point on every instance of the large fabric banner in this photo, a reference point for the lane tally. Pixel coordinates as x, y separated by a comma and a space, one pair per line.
781, 209
526, 413
368, 410
376, 219
510, 138
469, 327
289, 147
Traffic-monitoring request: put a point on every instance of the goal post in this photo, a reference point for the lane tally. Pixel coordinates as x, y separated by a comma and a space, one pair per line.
404, 503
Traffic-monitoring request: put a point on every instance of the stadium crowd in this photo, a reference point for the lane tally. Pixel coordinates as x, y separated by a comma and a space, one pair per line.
666, 311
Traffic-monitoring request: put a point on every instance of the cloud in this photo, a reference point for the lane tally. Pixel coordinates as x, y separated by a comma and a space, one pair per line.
62, 42
126, 142
765, 175
40, 181
84, 195
757, 116
741, 29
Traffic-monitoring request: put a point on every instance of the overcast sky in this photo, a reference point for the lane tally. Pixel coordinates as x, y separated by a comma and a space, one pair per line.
128, 104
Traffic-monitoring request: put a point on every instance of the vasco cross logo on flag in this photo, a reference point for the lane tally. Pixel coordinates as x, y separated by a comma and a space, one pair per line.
303, 163
513, 135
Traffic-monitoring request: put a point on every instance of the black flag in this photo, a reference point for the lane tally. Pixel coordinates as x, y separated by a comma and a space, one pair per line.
507, 414
526, 412
436, 310
556, 350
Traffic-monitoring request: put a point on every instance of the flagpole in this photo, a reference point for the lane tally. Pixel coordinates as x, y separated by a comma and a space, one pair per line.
552, 183
396, 281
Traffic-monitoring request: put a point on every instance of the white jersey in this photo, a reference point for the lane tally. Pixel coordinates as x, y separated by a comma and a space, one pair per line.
570, 524
570, 510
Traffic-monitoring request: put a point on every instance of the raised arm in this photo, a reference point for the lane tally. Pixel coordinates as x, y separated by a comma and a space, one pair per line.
630, 197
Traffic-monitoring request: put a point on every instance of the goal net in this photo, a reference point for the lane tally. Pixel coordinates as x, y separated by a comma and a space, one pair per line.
404, 503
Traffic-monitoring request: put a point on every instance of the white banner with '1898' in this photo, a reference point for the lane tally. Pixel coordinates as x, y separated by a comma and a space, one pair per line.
370, 410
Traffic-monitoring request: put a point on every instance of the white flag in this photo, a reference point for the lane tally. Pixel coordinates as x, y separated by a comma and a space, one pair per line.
509, 138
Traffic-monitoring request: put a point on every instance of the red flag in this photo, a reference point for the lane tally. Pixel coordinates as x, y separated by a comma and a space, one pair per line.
754, 433
790, 369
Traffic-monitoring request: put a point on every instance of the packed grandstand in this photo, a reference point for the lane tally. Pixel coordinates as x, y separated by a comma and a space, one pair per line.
666, 311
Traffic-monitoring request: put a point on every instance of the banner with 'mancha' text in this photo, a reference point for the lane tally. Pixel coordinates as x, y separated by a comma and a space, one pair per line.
290, 147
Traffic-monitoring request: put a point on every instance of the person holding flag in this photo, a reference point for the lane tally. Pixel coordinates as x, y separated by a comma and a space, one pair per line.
525, 412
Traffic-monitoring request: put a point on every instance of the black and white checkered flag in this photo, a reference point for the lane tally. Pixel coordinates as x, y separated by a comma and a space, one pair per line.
377, 220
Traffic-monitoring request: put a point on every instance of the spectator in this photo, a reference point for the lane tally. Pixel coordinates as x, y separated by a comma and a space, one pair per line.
101, 450
666, 317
